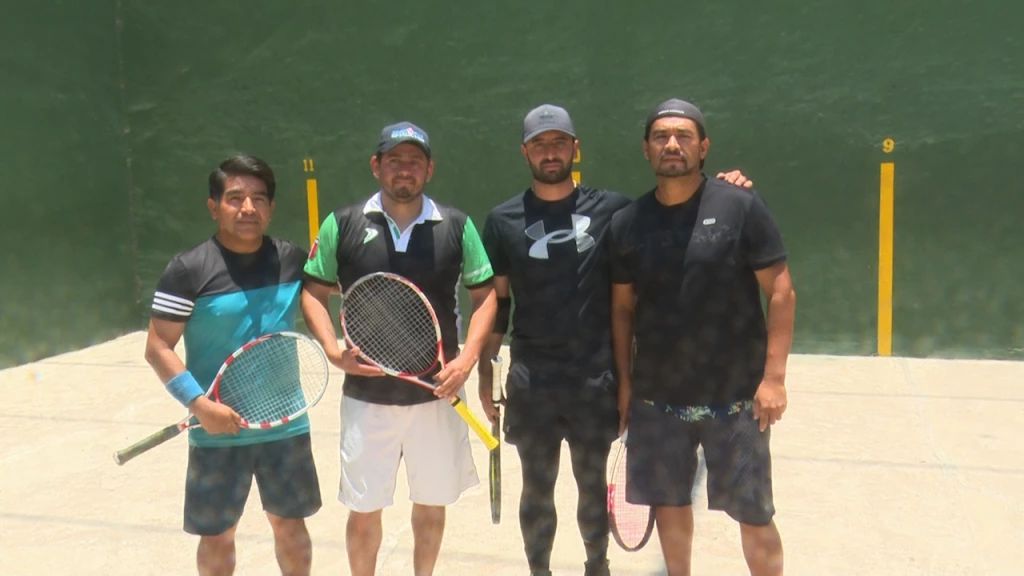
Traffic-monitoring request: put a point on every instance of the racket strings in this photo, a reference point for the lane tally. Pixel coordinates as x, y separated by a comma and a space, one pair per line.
391, 325
274, 379
631, 520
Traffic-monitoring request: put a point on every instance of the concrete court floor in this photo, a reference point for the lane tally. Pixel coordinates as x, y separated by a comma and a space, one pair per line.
882, 466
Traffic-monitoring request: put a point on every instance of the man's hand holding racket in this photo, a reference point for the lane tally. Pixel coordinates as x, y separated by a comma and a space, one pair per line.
485, 377
216, 418
348, 360
267, 382
453, 376
489, 406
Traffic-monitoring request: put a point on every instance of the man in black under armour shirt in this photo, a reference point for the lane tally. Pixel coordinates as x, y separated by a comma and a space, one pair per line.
546, 245
690, 260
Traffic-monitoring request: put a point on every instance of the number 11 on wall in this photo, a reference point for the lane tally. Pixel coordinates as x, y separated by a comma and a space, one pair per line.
312, 204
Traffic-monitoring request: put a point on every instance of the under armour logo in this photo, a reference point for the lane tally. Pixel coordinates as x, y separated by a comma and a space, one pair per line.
539, 249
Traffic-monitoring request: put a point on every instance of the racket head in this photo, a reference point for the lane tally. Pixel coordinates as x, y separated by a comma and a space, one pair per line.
393, 324
631, 524
273, 379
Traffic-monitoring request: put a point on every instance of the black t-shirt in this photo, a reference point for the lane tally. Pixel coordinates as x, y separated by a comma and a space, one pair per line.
700, 329
553, 254
438, 251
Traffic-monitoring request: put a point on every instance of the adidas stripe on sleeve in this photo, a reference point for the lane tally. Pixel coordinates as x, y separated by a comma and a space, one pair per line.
175, 296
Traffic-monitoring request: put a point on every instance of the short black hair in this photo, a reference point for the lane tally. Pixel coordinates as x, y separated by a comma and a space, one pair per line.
241, 165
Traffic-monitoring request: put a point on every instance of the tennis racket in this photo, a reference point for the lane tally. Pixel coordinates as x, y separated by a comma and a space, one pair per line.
631, 524
698, 491
269, 382
394, 326
497, 364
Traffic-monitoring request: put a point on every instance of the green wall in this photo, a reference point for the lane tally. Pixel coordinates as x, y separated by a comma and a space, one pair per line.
799, 95
65, 213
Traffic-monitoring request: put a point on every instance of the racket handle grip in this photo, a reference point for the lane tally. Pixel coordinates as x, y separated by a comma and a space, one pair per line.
490, 441
148, 443
496, 377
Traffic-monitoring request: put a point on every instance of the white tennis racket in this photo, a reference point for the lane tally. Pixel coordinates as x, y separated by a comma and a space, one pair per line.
269, 382
394, 326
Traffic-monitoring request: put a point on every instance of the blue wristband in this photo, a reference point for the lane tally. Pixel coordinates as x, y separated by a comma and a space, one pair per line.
184, 388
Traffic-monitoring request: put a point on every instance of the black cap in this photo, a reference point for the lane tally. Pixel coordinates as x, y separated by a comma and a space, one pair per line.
678, 108
395, 134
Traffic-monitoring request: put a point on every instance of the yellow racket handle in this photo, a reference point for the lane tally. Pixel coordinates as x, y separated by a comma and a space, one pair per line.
490, 441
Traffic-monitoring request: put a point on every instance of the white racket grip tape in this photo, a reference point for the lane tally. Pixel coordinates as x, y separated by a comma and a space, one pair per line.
697, 492
497, 377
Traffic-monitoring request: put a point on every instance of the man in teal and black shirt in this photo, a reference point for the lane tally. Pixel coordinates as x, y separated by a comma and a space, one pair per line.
233, 287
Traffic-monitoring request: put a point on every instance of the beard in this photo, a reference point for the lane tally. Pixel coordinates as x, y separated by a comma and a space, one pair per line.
401, 193
679, 170
540, 174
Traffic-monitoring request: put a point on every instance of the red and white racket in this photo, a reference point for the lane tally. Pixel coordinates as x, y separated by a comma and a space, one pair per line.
631, 524
269, 382
394, 326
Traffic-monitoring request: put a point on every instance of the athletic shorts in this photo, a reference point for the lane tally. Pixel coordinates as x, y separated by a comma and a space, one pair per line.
432, 439
587, 415
661, 461
218, 482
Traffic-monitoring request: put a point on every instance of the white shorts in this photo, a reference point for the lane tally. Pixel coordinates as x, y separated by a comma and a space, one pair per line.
432, 438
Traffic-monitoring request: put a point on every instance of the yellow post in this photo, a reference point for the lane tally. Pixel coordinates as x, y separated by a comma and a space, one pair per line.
312, 204
886, 204
577, 176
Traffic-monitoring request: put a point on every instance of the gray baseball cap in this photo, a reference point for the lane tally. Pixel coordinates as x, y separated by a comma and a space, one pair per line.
678, 108
547, 117
395, 134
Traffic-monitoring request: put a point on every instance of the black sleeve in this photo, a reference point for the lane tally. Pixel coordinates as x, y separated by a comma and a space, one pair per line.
622, 271
494, 247
761, 237
293, 261
175, 295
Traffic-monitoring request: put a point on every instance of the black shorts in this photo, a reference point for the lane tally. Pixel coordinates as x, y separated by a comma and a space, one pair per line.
661, 461
586, 415
218, 482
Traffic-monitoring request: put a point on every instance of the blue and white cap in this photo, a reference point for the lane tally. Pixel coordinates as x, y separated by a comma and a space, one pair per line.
395, 134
